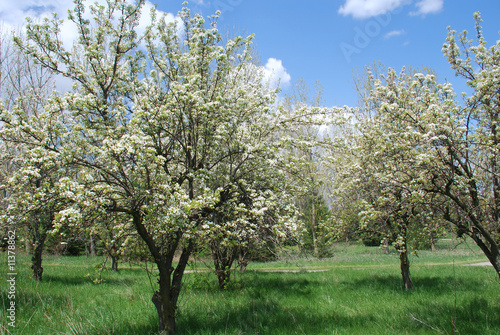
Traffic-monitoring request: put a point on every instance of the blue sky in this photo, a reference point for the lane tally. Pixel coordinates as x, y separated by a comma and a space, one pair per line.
327, 40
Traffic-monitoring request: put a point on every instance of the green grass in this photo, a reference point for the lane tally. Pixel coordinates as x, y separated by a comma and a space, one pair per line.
360, 293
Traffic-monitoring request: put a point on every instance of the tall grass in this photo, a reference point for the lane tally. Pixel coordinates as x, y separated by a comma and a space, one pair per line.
360, 293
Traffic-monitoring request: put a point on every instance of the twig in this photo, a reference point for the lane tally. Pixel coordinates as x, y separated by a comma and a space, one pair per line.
421, 322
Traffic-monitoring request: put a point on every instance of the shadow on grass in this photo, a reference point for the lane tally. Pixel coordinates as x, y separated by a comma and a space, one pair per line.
259, 285
486, 317
265, 312
270, 303
468, 316
125, 276
255, 305
77, 280
266, 317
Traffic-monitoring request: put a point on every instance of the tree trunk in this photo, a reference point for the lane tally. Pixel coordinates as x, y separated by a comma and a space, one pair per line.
114, 263
405, 270
313, 228
223, 275
242, 260
39, 236
402, 246
433, 242
223, 261
166, 311
165, 299
479, 235
495, 261
489, 247
170, 279
92, 246
386, 246
37, 259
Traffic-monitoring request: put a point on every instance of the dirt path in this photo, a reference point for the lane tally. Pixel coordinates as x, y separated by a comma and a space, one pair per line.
324, 270
260, 270
479, 264
294, 271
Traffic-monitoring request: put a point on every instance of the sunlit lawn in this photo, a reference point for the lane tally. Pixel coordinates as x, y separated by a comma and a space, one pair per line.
359, 293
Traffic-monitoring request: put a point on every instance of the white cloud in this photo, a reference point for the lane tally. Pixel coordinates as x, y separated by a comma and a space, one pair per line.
428, 7
394, 33
14, 12
362, 9
275, 73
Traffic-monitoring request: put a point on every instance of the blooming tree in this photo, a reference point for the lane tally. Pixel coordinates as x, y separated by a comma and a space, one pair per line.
304, 149
27, 176
429, 155
471, 174
159, 127
376, 166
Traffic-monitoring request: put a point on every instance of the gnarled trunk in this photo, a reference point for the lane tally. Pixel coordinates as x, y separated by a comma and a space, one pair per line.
242, 259
165, 299
166, 310
401, 246
42, 224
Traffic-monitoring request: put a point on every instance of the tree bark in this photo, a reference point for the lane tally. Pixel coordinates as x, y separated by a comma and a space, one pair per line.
41, 226
402, 247
242, 260
162, 298
386, 246
405, 270
165, 308
488, 246
114, 263
313, 227
433, 243
37, 259
92, 246
165, 299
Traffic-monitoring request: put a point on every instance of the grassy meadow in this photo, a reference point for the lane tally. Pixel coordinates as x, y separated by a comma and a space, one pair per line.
358, 291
